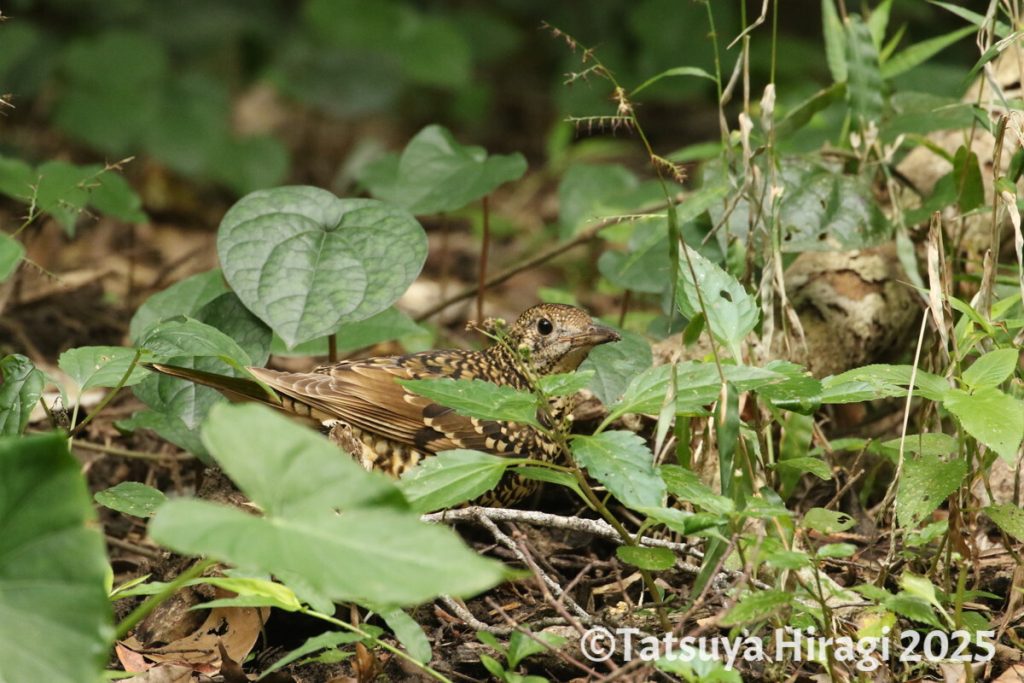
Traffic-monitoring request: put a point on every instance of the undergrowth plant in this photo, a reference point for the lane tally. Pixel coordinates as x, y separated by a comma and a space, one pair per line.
706, 254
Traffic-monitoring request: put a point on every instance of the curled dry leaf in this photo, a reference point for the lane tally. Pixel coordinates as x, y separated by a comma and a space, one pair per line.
233, 628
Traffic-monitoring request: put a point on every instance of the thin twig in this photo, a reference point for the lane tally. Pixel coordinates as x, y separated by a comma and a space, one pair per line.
538, 259
547, 583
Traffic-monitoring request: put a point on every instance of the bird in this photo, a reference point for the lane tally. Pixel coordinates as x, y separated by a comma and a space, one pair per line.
385, 426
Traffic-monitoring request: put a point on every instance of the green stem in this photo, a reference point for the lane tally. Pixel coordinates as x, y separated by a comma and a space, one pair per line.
75, 429
140, 612
376, 641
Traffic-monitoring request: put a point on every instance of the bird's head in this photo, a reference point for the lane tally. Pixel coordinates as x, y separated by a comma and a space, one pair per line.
557, 338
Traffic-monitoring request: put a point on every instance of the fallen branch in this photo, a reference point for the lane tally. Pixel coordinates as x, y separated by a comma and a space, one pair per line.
594, 527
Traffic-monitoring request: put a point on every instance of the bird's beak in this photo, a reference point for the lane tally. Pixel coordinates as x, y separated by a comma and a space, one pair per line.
597, 334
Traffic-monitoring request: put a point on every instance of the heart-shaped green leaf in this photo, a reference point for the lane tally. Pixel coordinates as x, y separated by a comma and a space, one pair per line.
305, 261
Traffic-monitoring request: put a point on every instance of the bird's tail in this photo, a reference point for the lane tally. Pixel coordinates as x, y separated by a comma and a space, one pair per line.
235, 388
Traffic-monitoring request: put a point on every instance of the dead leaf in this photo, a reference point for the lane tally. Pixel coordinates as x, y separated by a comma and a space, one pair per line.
233, 628
165, 673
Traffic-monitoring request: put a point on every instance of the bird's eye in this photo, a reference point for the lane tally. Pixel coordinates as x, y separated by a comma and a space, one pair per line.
544, 326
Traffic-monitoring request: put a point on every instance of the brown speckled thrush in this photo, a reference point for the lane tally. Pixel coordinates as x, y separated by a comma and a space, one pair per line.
386, 427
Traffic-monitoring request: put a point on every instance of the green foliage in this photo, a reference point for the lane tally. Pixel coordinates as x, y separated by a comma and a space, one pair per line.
478, 398
624, 464
305, 261
101, 366
451, 478
66, 191
11, 253
361, 555
435, 174
926, 482
21, 387
51, 558
132, 498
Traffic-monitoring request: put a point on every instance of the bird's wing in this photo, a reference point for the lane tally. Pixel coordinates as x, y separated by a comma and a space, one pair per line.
366, 395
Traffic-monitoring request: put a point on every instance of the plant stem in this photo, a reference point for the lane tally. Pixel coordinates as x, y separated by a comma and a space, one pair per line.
75, 429
485, 248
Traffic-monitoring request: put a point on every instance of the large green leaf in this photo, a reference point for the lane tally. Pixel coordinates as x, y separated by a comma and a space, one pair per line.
376, 551
624, 464
925, 484
990, 416
436, 174
20, 388
451, 478
305, 261
279, 477
55, 619
100, 366
478, 398
730, 312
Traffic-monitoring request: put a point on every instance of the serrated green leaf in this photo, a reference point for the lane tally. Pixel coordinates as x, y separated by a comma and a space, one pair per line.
932, 443
1009, 518
654, 559
827, 521
730, 312
452, 477
757, 607
991, 369
565, 384
305, 261
478, 398
615, 365
101, 366
51, 557
881, 381
802, 464
436, 174
685, 485
131, 498
624, 464
925, 484
20, 388
992, 417
521, 646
